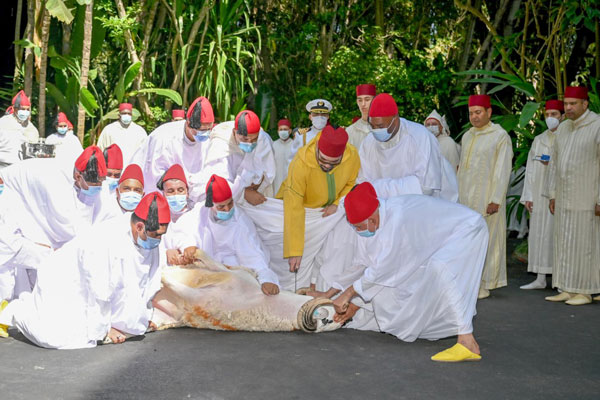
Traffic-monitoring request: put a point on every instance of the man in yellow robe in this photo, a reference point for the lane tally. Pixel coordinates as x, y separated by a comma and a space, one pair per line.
483, 176
321, 173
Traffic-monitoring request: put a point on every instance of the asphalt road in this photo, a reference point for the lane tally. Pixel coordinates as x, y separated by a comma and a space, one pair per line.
531, 349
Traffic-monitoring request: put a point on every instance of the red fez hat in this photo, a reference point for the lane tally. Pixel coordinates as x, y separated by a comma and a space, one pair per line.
247, 123
114, 157
82, 161
69, 124
332, 142
10, 110
482, 100
217, 190
175, 172
203, 107
283, 122
555, 105
62, 119
162, 208
383, 105
366, 90
361, 203
576, 92
125, 106
133, 171
355, 119
22, 99
178, 113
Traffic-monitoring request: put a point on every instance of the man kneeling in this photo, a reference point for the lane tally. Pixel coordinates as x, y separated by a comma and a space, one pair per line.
97, 287
423, 258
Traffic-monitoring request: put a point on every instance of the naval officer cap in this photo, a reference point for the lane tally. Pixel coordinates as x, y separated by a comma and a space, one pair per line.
319, 106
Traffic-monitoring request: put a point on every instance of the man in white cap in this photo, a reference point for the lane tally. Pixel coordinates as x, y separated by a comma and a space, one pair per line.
359, 130
124, 132
541, 231
179, 142
16, 129
319, 110
437, 125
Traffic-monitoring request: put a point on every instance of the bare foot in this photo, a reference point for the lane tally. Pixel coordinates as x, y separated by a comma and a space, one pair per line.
469, 342
350, 311
116, 336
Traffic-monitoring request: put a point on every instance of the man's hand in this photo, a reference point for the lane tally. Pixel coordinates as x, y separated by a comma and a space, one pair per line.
253, 197
269, 288
551, 206
597, 210
116, 336
329, 210
492, 208
342, 318
174, 257
294, 263
189, 254
342, 302
529, 206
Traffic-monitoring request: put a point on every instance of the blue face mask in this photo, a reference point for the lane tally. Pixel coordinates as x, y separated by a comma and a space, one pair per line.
177, 202
129, 200
366, 232
225, 215
202, 136
247, 147
92, 191
62, 131
148, 244
112, 183
126, 119
23, 114
382, 134
1, 188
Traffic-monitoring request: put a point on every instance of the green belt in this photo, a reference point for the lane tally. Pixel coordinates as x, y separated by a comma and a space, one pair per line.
330, 189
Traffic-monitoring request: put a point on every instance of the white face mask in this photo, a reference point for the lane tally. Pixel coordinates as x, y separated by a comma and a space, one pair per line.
552, 123
433, 129
126, 119
284, 134
23, 115
319, 122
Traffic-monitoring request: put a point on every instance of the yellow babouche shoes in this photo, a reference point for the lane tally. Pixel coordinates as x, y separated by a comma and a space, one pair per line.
456, 353
3, 328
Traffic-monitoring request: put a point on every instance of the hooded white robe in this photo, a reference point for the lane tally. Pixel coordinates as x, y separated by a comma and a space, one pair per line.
68, 148
129, 139
98, 280
281, 151
226, 159
575, 186
483, 175
12, 137
540, 258
423, 267
168, 145
234, 242
448, 147
412, 151
357, 132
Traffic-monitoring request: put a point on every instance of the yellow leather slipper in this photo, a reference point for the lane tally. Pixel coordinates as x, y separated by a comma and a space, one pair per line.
3, 328
456, 353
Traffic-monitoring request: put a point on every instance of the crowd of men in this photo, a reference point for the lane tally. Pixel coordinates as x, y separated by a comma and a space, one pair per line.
391, 219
